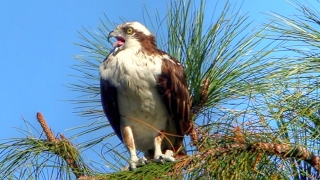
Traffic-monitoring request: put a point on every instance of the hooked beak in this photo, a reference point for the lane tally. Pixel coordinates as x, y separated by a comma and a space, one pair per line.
111, 34
119, 44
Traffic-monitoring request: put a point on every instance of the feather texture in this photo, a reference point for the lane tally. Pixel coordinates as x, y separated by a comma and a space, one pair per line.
144, 94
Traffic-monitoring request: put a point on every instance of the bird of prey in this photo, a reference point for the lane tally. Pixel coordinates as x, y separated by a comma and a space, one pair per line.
145, 96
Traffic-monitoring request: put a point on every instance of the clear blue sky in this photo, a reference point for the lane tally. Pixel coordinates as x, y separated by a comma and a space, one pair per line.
36, 53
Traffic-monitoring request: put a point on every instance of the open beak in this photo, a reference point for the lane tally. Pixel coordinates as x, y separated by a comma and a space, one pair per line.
119, 44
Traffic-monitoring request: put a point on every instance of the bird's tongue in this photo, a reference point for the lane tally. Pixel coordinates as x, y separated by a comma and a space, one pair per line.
118, 43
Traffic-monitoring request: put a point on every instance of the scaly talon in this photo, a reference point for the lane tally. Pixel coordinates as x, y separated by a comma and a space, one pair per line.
168, 156
135, 162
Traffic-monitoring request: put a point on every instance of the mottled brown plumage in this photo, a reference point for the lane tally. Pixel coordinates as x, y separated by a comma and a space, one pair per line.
144, 94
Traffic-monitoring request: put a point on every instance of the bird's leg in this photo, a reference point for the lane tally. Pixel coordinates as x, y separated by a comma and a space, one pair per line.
127, 137
158, 156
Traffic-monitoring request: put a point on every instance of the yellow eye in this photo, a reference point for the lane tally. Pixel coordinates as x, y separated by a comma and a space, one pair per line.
130, 30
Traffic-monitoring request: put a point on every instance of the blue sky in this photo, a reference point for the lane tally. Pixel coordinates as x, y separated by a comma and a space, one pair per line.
37, 48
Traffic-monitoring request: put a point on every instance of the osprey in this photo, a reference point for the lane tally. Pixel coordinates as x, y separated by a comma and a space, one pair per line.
145, 96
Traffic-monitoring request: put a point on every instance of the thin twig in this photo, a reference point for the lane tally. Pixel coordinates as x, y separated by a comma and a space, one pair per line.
203, 97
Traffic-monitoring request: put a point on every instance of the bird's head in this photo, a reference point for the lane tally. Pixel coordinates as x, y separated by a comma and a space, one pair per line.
132, 35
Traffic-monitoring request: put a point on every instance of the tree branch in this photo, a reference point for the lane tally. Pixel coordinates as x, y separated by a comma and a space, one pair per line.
285, 151
63, 148
281, 150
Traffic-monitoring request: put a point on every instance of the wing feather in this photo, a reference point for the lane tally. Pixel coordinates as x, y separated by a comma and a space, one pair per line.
110, 106
172, 86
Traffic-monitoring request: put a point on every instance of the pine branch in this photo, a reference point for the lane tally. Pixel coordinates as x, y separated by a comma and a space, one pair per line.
240, 144
63, 148
190, 165
281, 150
288, 151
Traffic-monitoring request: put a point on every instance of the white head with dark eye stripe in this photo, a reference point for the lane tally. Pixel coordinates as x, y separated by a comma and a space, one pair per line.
132, 35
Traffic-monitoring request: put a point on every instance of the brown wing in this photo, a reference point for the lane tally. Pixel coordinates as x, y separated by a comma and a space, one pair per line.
172, 85
110, 106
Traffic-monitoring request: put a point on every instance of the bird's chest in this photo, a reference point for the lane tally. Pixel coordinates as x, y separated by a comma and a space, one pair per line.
135, 79
132, 73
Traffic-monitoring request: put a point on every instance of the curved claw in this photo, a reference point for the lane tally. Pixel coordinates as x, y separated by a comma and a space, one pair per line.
143, 161
159, 159
132, 167
168, 156
135, 162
